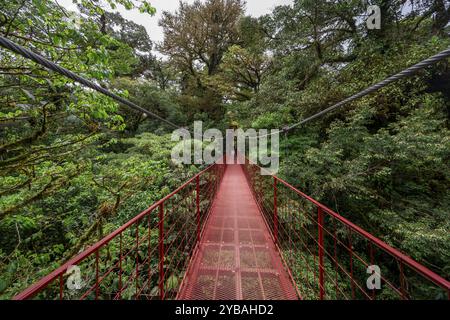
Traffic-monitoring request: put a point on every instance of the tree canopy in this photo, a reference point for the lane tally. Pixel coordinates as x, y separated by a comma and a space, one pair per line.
75, 165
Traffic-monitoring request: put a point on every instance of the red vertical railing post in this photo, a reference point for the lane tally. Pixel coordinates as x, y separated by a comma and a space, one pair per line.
161, 251
197, 203
97, 285
320, 221
350, 246
275, 210
137, 259
149, 251
402, 281
120, 266
335, 259
372, 263
61, 286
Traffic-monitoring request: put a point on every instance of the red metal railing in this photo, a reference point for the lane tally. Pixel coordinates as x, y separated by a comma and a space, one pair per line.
144, 259
328, 256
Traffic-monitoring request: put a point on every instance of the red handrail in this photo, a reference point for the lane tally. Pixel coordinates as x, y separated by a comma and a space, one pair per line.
317, 243
437, 279
272, 218
39, 286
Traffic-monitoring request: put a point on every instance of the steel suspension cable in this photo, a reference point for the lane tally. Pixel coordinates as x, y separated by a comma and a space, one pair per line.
401, 75
8, 44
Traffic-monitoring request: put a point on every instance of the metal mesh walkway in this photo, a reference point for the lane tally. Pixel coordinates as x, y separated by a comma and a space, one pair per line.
237, 258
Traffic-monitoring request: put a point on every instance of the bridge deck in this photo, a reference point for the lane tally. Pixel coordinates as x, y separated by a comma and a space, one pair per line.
237, 258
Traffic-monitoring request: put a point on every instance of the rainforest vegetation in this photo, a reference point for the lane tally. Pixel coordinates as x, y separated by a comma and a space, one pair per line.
75, 165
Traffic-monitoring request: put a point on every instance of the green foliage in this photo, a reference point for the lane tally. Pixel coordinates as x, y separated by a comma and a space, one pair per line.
382, 161
75, 165
70, 171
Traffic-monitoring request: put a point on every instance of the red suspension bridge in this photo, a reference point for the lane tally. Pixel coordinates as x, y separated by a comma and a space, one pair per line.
231, 233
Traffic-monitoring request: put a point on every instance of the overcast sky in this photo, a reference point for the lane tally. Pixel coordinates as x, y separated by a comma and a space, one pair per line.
255, 8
